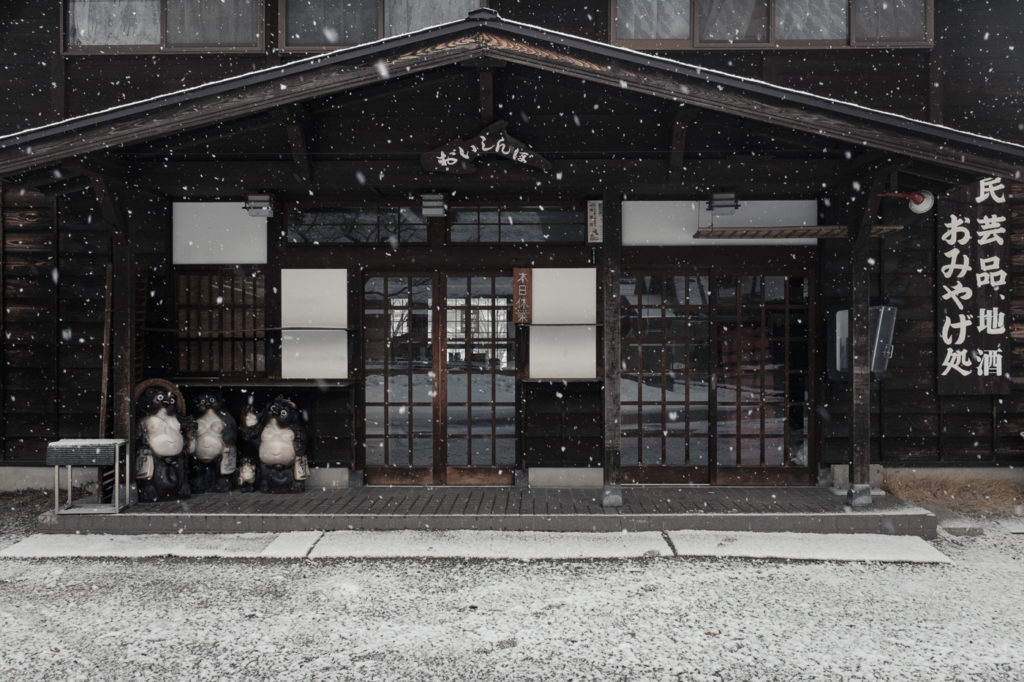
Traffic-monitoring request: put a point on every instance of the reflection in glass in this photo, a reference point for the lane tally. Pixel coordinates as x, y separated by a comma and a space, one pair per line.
457, 388
375, 420
458, 419
734, 21
675, 452
458, 452
630, 450
422, 452
652, 19
505, 452
375, 452
811, 19
878, 20
699, 451
481, 452
399, 454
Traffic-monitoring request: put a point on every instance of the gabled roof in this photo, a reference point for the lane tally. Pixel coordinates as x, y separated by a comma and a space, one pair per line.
483, 34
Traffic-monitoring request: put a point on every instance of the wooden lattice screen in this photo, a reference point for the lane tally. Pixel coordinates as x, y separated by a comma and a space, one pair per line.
221, 315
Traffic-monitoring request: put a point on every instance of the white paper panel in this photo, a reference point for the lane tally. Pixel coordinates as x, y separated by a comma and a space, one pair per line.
673, 223
314, 298
314, 354
217, 233
563, 352
564, 296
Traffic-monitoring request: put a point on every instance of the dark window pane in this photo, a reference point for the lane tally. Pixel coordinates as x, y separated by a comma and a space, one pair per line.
226, 23
733, 21
328, 22
652, 19
811, 19
113, 22
893, 20
402, 16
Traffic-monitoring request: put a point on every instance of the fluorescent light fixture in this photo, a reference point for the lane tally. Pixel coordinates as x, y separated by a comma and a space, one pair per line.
433, 205
723, 203
259, 205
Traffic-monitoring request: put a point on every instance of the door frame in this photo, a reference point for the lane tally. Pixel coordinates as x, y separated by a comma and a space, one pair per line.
440, 473
712, 473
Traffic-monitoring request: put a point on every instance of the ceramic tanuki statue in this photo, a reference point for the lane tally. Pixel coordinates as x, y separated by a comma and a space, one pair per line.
282, 448
162, 442
214, 457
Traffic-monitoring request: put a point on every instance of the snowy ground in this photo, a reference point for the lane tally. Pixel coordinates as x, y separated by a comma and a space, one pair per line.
657, 618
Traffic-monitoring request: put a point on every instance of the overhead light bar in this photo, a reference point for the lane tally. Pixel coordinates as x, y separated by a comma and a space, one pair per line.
723, 203
259, 206
433, 205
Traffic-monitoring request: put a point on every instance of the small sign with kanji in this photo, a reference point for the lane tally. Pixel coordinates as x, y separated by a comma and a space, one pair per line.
522, 295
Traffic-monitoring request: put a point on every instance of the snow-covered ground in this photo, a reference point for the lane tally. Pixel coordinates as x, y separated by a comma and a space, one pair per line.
653, 618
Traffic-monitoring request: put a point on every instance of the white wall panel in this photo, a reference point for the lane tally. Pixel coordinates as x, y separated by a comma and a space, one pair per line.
564, 296
563, 352
217, 233
314, 314
673, 223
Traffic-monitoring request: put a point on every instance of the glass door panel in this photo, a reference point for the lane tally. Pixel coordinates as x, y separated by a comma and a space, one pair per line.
399, 389
716, 377
479, 371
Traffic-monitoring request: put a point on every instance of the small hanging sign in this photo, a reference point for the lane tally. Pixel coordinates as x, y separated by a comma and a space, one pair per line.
595, 221
458, 157
522, 295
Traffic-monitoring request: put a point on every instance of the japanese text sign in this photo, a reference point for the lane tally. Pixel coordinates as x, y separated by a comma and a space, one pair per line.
973, 290
522, 295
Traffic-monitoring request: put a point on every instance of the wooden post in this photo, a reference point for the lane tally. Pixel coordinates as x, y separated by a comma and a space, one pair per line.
610, 265
859, 493
123, 308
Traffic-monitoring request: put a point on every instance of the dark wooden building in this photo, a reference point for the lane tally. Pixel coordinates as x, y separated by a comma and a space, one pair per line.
639, 241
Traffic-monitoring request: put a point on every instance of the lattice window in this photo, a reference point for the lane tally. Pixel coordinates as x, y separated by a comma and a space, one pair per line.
222, 321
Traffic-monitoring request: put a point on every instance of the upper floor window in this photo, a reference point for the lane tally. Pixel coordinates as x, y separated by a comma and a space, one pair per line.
158, 25
319, 24
680, 24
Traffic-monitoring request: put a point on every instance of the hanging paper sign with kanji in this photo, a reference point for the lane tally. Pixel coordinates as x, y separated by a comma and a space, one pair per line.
522, 295
973, 290
459, 157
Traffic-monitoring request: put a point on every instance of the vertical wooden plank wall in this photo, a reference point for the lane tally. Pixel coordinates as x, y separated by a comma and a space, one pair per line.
911, 424
30, 327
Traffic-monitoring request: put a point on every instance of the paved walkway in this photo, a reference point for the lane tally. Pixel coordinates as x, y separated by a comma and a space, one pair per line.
816, 510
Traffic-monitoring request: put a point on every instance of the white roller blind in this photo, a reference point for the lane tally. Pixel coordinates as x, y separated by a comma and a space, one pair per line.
314, 315
217, 233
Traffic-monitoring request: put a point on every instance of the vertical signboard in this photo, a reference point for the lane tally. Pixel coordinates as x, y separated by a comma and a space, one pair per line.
522, 296
973, 290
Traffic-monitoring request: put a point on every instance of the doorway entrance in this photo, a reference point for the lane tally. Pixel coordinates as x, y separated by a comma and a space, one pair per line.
717, 377
440, 387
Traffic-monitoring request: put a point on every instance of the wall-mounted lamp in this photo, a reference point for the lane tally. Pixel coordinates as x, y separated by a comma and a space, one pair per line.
919, 202
433, 205
723, 203
259, 205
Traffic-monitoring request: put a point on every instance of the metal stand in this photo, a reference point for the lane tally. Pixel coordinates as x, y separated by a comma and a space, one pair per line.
90, 452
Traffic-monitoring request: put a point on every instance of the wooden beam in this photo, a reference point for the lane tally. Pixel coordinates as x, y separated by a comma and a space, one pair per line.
755, 176
610, 273
162, 117
681, 122
296, 128
486, 81
859, 345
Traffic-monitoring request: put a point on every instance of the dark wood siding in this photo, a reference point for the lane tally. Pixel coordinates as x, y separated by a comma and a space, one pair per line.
911, 423
30, 326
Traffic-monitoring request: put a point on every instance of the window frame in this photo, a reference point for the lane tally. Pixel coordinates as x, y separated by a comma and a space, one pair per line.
695, 43
162, 48
282, 31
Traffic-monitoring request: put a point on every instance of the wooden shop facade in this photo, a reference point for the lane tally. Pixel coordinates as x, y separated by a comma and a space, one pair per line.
485, 250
